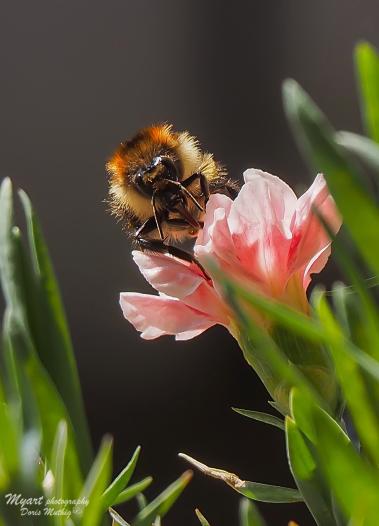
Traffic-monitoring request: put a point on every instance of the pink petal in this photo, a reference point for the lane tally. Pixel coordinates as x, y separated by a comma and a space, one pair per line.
167, 274
260, 221
155, 316
282, 196
309, 236
215, 239
316, 264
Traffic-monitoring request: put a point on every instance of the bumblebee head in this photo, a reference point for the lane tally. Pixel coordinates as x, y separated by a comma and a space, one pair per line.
142, 165
140, 156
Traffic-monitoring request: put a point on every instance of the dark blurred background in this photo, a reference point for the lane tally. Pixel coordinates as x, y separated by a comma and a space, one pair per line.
79, 77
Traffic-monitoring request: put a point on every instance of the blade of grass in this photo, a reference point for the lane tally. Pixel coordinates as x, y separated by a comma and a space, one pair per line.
351, 381
276, 371
354, 483
117, 519
120, 482
316, 138
51, 409
203, 521
95, 484
249, 515
367, 66
58, 466
364, 148
163, 503
133, 490
50, 330
304, 469
261, 417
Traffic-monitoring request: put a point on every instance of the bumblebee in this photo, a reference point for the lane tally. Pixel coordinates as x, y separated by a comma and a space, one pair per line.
159, 184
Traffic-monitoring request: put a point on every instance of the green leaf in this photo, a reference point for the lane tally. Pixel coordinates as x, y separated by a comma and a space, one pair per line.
133, 490
57, 466
363, 301
50, 331
141, 501
354, 483
305, 471
249, 515
367, 64
58, 458
51, 409
364, 148
203, 521
285, 316
10, 259
316, 138
110, 495
117, 519
9, 438
162, 504
261, 417
95, 484
251, 490
269, 493
351, 381
278, 373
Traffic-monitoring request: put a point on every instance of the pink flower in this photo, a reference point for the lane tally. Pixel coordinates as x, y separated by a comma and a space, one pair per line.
266, 239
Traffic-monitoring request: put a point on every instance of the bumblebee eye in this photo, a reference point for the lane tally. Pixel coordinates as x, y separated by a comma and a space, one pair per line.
171, 171
143, 185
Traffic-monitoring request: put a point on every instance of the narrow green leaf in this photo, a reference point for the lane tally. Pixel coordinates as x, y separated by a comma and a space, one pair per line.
110, 495
141, 501
304, 469
316, 137
162, 504
95, 484
278, 373
282, 314
261, 417
117, 519
9, 438
367, 64
133, 490
269, 493
51, 409
249, 514
364, 148
50, 330
58, 466
10, 271
354, 483
365, 306
352, 382
251, 490
203, 521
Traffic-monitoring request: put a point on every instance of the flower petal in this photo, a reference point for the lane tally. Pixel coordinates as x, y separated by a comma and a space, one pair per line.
309, 236
259, 221
282, 196
214, 240
155, 316
168, 274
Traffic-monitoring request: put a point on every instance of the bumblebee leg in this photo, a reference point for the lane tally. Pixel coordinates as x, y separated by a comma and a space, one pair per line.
148, 226
159, 247
233, 188
157, 217
188, 194
203, 183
